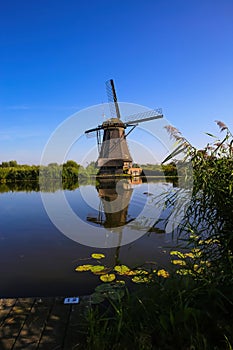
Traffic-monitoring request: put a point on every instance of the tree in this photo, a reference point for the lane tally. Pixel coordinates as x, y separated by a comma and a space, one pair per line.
13, 163
71, 164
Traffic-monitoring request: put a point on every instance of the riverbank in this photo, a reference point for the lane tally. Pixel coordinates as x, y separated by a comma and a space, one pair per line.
170, 314
39, 323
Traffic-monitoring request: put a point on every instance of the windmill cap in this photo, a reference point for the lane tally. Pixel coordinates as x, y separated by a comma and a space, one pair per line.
113, 122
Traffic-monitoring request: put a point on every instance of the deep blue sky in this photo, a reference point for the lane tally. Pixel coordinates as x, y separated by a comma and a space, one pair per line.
55, 57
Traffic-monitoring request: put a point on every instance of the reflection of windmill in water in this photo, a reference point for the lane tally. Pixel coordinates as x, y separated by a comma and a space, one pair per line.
114, 156
114, 201
115, 196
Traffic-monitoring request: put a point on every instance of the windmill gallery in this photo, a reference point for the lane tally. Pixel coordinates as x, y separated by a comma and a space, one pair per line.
114, 155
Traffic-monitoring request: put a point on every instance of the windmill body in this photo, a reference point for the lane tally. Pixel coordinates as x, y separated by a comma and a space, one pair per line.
114, 155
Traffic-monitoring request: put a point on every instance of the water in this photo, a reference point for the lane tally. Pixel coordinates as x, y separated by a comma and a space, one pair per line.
36, 259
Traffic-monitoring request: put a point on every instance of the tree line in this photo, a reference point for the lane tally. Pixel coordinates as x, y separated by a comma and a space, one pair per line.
12, 171
70, 170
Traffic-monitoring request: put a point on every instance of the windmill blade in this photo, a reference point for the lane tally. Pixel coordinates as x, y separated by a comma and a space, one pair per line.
112, 99
95, 129
143, 117
90, 135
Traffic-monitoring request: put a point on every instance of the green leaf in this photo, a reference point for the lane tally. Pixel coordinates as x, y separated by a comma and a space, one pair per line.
97, 298
122, 269
82, 268
116, 294
120, 283
108, 277
140, 279
97, 256
177, 151
103, 288
177, 253
211, 135
97, 268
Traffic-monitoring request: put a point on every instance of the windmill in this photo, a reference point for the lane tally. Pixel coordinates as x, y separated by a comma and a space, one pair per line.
114, 156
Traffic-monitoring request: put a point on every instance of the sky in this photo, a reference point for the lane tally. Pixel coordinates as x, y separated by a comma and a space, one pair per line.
56, 56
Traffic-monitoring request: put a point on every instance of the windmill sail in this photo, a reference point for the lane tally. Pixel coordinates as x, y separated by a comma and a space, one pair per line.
144, 117
112, 99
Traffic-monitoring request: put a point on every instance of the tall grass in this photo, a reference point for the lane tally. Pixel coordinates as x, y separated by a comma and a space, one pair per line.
176, 313
208, 222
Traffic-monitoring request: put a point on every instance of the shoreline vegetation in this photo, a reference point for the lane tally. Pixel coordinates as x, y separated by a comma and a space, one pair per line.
70, 171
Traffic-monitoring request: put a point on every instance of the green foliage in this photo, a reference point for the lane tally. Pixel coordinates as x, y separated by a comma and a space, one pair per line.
71, 164
175, 313
68, 172
209, 216
160, 170
213, 183
11, 163
4, 165
11, 172
170, 169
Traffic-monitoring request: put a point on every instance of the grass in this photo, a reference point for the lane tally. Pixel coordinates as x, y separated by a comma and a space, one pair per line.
174, 313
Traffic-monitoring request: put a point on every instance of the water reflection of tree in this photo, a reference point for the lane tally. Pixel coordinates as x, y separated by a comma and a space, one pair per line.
24, 186
45, 185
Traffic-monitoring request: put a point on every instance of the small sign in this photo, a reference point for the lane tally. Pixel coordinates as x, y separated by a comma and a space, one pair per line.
73, 300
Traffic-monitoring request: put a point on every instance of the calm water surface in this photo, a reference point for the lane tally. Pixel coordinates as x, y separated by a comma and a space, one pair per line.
36, 259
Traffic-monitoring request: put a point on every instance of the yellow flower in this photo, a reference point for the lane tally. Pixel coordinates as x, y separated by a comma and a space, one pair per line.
178, 262
193, 236
197, 252
163, 273
198, 269
177, 253
189, 255
211, 241
140, 279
